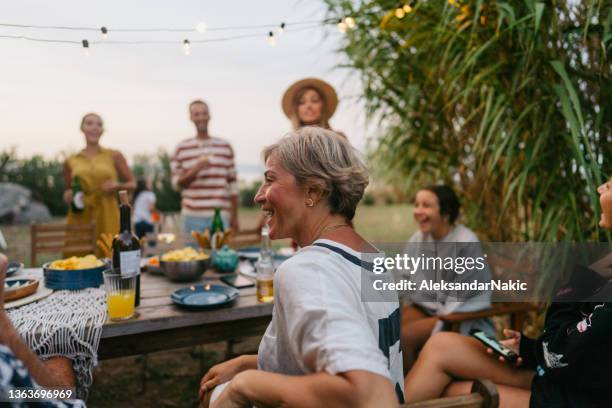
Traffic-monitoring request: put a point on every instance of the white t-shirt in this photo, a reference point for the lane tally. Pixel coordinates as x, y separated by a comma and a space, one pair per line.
142, 207
320, 324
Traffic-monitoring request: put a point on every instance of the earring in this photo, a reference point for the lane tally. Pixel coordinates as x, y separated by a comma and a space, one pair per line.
309, 203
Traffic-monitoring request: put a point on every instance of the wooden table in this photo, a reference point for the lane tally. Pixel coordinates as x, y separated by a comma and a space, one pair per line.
161, 325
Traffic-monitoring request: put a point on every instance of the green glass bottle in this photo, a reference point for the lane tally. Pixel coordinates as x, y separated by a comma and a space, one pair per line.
78, 198
216, 230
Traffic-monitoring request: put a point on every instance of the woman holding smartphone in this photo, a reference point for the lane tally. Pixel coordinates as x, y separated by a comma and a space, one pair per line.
569, 365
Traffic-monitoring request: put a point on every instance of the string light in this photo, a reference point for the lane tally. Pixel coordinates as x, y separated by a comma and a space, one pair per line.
342, 26
201, 28
281, 28
271, 39
350, 22
104, 32
407, 8
399, 12
85, 48
187, 46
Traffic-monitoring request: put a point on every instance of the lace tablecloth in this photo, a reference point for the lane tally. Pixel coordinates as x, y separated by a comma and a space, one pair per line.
67, 324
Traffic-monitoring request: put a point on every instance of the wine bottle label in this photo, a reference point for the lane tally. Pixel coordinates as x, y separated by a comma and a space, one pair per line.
129, 262
79, 200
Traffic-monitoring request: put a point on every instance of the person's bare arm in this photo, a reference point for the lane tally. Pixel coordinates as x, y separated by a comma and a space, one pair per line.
234, 212
125, 173
188, 176
11, 338
352, 389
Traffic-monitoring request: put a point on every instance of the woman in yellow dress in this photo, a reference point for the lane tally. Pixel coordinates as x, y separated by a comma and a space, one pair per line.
98, 170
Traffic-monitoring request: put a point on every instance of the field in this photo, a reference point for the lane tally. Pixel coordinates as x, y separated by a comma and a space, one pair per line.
171, 378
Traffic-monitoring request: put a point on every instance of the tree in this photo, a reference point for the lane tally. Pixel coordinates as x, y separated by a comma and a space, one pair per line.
509, 102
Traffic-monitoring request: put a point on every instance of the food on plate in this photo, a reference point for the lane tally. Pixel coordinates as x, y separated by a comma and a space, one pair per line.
185, 254
75, 262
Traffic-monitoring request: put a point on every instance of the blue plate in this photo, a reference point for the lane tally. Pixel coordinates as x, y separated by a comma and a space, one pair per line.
205, 296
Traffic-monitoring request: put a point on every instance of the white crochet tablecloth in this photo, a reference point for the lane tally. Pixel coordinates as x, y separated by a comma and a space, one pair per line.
67, 324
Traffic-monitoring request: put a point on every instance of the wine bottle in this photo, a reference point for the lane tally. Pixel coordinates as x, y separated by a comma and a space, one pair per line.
78, 198
126, 247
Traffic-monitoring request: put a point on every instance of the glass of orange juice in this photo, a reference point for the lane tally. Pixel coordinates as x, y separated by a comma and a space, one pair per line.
120, 294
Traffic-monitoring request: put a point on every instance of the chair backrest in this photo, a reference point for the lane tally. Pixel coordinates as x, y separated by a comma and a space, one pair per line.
64, 238
241, 239
484, 395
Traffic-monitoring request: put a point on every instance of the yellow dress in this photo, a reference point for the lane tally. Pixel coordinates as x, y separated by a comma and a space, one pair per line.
101, 208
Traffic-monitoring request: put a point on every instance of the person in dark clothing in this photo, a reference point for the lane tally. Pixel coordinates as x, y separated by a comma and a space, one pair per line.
569, 365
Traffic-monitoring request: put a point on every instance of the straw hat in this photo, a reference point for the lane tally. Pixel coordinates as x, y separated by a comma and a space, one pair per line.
328, 92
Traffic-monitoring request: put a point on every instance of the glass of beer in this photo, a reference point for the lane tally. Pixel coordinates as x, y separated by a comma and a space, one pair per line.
120, 293
265, 281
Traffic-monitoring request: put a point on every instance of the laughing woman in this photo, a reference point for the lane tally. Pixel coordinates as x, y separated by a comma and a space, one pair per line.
98, 171
324, 346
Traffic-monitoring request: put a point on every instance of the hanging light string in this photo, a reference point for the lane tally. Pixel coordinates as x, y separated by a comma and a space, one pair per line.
346, 23
161, 29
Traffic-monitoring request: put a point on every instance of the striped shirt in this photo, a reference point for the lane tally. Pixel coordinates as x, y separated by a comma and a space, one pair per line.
213, 185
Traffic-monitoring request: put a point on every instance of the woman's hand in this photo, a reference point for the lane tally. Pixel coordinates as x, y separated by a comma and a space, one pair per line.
110, 186
513, 342
219, 374
232, 397
67, 196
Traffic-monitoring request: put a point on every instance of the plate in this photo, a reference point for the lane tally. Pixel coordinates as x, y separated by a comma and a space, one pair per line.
250, 253
13, 268
206, 296
17, 288
41, 293
154, 269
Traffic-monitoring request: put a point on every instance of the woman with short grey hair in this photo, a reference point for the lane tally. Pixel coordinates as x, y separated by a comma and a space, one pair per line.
324, 346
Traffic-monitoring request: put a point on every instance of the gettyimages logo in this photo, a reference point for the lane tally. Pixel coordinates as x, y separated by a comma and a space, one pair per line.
487, 272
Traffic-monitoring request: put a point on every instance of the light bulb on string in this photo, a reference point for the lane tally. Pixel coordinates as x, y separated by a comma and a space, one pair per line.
201, 28
281, 28
350, 22
186, 46
85, 48
407, 8
400, 13
342, 26
104, 32
271, 39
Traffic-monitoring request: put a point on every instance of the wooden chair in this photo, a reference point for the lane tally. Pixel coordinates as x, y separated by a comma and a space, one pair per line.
244, 238
484, 395
64, 238
517, 311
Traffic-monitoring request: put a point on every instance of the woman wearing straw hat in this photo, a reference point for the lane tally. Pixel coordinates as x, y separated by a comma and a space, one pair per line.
310, 102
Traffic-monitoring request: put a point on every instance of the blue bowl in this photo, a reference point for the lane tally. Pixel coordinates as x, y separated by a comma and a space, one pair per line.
59, 279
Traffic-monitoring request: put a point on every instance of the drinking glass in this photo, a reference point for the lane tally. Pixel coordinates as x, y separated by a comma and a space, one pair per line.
120, 294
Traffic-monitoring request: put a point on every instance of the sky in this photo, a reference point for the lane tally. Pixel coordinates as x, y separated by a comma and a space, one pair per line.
142, 91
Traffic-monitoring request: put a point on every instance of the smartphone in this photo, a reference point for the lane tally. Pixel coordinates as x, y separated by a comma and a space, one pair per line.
237, 281
496, 346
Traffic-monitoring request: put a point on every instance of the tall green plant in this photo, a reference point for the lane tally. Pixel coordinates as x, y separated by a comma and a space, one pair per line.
507, 101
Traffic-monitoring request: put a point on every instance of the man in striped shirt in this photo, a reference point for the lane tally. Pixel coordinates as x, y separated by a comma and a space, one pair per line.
203, 171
